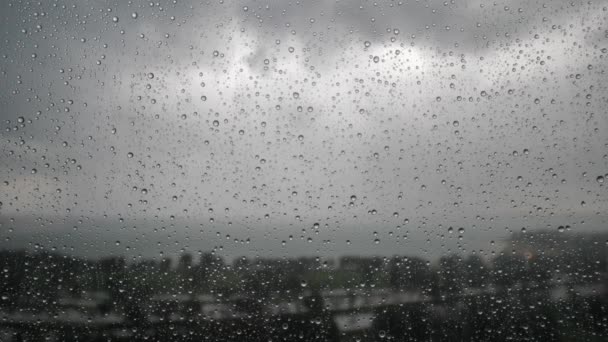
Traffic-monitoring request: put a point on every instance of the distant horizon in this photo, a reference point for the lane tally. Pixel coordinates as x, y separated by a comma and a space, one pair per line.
141, 249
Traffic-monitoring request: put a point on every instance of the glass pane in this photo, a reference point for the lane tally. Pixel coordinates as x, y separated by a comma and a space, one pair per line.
303, 171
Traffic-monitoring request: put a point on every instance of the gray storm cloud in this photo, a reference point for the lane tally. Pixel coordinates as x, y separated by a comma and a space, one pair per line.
187, 125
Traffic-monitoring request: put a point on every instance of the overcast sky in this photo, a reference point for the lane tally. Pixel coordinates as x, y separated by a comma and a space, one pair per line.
144, 128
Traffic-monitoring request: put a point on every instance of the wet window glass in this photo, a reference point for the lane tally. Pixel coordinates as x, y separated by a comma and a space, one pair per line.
303, 170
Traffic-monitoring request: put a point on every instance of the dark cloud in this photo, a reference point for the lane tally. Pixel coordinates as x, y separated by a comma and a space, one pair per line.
257, 123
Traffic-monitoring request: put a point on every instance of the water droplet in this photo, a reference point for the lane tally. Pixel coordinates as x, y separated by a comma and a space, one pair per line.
130, 155
600, 179
134, 15
115, 19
